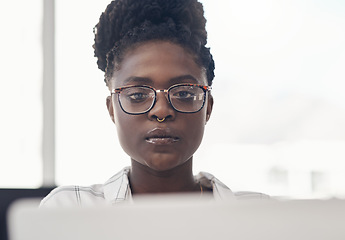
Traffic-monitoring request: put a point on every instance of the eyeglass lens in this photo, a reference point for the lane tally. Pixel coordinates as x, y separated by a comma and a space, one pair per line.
138, 100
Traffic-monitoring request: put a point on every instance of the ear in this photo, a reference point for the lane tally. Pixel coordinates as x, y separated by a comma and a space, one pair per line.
110, 108
209, 107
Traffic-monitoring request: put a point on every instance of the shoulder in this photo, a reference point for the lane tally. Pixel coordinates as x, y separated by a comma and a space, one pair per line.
113, 190
74, 196
246, 195
221, 191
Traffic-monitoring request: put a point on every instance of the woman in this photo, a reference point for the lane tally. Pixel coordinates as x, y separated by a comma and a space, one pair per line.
159, 74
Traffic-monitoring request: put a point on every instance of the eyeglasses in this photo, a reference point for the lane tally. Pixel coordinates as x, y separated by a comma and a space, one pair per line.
184, 98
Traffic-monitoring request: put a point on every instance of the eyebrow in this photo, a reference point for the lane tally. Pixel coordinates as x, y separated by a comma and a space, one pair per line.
138, 80
145, 81
182, 78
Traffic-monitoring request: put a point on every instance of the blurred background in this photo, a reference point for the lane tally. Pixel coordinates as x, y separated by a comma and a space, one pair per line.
278, 124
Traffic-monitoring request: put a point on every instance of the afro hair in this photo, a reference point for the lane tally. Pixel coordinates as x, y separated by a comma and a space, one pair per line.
126, 23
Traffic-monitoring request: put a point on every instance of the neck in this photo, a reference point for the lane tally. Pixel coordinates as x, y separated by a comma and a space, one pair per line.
146, 180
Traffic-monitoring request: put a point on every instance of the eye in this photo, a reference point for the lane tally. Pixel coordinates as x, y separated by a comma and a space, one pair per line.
136, 94
183, 94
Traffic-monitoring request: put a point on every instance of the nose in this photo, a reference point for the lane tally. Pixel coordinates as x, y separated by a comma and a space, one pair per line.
162, 108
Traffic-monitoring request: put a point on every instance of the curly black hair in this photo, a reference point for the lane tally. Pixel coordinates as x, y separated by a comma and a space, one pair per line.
127, 23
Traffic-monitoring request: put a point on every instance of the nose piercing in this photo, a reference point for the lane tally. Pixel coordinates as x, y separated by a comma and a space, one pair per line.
160, 120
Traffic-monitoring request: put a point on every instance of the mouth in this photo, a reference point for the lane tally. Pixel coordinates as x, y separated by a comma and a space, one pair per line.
161, 140
161, 136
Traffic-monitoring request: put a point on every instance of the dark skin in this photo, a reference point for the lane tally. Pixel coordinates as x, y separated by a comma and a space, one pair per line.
160, 166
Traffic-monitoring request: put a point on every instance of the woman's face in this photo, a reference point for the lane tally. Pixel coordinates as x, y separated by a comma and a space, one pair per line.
157, 145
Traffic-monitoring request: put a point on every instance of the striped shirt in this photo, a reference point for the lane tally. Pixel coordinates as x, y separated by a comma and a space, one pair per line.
117, 189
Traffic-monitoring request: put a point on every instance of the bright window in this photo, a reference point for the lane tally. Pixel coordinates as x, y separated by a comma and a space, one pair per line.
21, 96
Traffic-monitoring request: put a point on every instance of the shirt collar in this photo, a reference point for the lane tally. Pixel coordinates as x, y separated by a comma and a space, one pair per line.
117, 188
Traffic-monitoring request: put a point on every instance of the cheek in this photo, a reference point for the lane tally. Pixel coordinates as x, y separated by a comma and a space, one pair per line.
195, 130
198, 132
126, 128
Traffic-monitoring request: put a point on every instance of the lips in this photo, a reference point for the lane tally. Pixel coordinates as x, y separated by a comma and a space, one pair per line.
161, 136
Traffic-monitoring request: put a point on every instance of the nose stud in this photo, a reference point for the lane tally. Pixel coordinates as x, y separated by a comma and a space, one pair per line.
160, 120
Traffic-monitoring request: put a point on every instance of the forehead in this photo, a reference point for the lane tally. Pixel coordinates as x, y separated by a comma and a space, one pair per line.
159, 64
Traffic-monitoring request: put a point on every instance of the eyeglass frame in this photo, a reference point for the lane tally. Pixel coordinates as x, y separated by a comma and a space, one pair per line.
166, 91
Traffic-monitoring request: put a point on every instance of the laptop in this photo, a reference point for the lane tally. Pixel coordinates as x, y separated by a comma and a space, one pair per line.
177, 217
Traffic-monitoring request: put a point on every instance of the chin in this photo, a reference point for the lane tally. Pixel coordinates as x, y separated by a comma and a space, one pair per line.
164, 164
